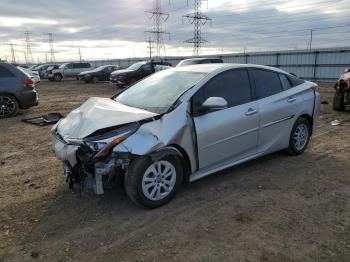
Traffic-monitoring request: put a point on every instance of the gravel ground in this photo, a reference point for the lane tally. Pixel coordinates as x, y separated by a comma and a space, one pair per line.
277, 208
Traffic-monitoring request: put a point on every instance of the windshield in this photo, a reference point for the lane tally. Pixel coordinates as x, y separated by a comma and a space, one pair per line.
136, 66
187, 62
63, 66
160, 91
99, 68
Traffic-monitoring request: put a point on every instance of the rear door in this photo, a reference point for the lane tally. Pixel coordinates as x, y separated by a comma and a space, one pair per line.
278, 105
229, 134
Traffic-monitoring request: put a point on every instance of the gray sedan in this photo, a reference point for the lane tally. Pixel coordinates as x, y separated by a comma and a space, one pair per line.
182, 124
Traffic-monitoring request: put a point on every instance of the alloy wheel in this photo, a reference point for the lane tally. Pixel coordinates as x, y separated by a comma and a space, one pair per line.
159, 180
301, 136
7, 106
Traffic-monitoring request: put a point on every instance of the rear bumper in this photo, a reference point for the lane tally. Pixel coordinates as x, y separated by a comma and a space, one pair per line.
28, 99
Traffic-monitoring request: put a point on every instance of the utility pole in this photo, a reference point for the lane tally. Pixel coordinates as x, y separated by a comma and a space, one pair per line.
157, 32
198, 20
311, 38
29, 55
52, 52
79, 55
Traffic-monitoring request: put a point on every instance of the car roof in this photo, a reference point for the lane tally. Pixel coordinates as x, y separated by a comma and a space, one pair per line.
211, 68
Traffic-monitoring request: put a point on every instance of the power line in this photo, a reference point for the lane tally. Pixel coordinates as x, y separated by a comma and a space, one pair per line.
198, 20
157, 32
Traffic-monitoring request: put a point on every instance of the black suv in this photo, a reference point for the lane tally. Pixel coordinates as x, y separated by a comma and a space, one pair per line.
16, 90
102, 73
136, 72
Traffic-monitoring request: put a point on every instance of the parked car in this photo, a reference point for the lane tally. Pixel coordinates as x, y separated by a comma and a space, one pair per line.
34, 75
342, 92
196, 61
102, 73
17, 90
183, 124
42, 69
69, 70
136, 72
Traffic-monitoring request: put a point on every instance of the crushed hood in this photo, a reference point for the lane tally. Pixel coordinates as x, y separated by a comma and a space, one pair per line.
98, 113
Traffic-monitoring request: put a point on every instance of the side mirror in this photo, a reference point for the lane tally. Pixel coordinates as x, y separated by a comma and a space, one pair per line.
214, 103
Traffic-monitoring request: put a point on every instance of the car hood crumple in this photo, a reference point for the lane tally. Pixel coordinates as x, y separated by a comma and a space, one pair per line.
96, 114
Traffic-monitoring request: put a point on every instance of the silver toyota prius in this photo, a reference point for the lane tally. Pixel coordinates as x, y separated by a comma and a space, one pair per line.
182, 124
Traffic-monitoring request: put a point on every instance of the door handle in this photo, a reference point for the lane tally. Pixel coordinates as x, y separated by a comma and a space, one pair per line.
291, 100
251, 111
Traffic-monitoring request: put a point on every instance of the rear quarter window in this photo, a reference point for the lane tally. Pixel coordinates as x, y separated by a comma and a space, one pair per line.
295, 81
5, 73
286, 84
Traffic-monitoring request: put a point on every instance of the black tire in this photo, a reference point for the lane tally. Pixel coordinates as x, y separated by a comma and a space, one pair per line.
8, 106
134, 176
57, 77
338, 101
294, 148
94, 80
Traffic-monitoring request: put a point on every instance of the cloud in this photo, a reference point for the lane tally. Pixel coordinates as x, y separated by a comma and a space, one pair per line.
111, 28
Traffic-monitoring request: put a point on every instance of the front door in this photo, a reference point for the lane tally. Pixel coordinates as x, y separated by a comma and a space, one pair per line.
229, 134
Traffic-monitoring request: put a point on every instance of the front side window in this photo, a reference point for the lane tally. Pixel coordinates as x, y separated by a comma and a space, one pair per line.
5, 73
267, 83
233, 86
159, 92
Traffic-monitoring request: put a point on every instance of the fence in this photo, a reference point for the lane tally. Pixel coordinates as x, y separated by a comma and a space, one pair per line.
322, 65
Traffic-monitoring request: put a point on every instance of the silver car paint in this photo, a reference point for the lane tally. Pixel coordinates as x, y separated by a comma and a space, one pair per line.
249, 135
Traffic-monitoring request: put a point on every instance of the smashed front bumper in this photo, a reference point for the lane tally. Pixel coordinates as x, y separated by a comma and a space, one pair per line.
92, 174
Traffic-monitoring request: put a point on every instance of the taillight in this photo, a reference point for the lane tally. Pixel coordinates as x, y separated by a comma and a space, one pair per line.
27, 82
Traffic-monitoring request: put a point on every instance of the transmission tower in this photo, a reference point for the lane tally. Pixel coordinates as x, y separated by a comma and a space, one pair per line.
157, 32
198, 20
13, 57
29, 54
52, 53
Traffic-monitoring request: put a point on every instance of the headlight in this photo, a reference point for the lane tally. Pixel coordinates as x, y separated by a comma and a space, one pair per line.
105, 142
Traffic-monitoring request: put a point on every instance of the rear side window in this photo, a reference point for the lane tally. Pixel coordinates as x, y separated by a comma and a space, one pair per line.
5, 73
267, 83
295, 80
85, 65
233, 85
285, 82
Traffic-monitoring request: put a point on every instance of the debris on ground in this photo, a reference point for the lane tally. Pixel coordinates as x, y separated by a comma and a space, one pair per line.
335, 123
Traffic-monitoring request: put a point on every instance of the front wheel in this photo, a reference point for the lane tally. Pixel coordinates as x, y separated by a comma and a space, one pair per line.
57, 77
153, 184
338, 101
299, 137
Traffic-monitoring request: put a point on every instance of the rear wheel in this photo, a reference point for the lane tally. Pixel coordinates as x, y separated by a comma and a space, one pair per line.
153, 184
299, 137
338, 101
8, 106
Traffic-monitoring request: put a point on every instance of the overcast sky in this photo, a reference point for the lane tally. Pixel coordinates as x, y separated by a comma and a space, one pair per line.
115, 28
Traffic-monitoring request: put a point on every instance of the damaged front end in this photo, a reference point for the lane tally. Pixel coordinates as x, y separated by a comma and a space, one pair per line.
90, 161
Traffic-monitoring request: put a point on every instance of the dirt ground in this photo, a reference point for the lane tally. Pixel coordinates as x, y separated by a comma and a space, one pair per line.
277, 208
